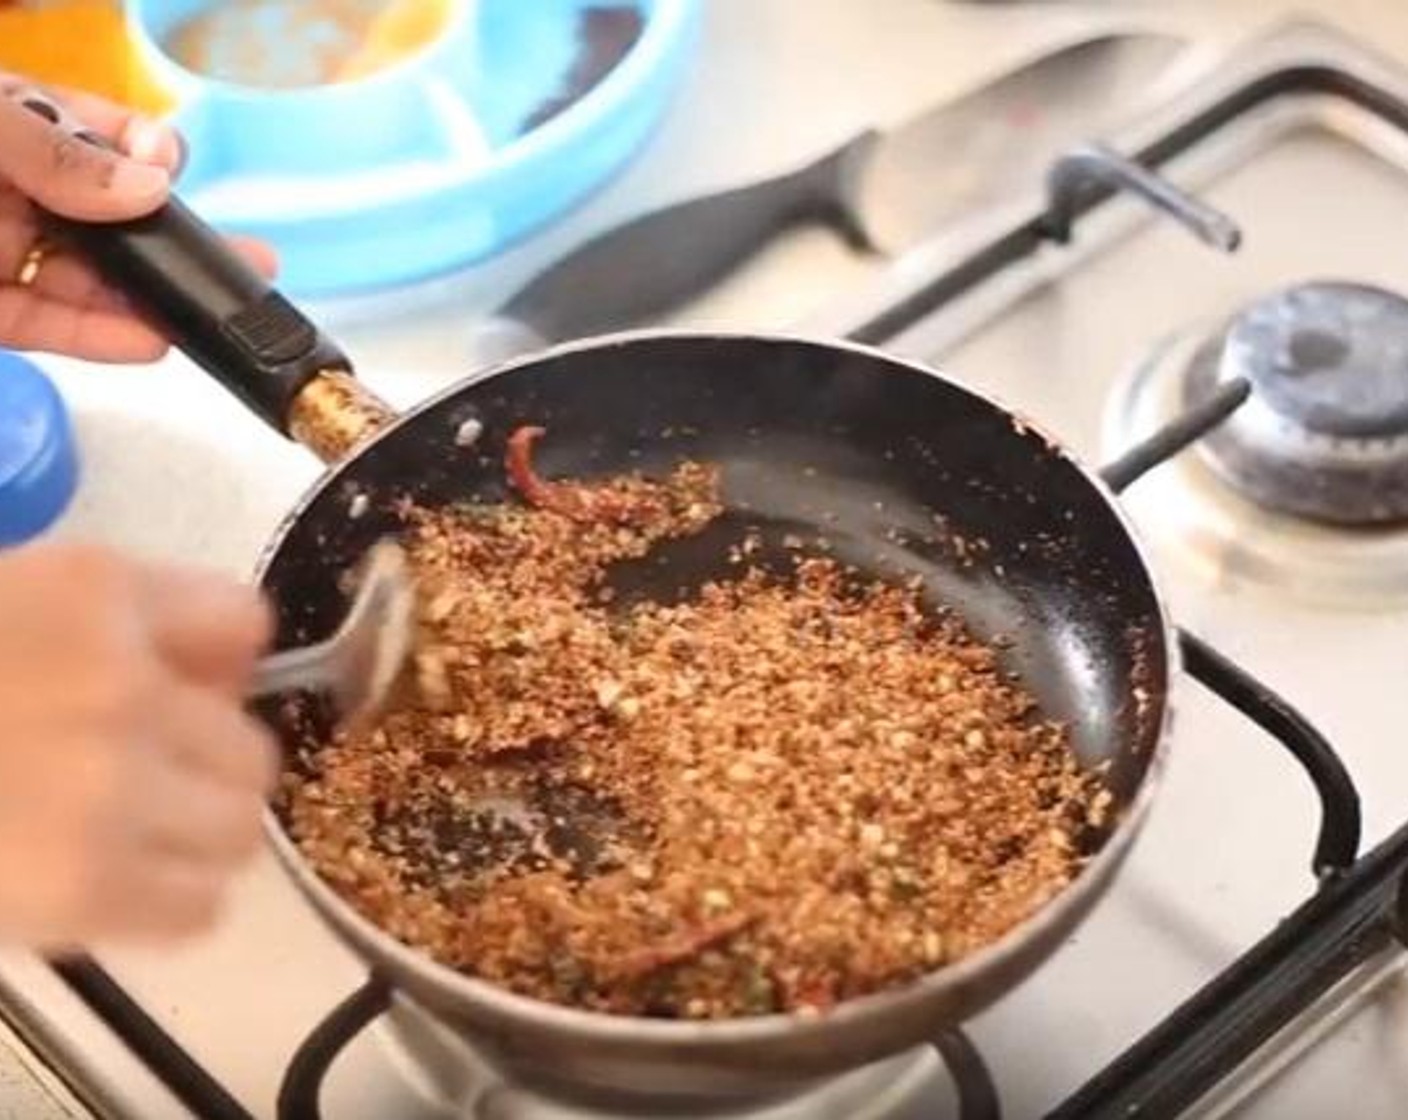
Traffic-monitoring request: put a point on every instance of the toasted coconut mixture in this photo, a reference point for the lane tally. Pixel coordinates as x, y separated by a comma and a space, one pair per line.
779, 794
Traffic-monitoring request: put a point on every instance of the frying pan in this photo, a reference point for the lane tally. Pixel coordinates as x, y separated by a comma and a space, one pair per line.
902, 469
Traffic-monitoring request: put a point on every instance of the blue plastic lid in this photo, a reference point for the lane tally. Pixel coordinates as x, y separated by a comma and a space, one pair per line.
38, 462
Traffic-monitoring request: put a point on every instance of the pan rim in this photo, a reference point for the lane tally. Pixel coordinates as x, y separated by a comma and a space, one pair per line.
1071, 903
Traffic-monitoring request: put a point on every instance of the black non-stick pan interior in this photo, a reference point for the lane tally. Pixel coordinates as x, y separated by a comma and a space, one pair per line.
889, 467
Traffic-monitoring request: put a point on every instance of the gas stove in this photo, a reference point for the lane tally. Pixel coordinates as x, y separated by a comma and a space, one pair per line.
1303, 488
1249, 958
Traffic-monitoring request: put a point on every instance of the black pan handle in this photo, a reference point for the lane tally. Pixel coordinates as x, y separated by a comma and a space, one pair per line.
659, 261
188, 281
212, 304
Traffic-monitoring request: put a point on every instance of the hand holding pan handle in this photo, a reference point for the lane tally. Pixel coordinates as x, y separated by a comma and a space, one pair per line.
220, 312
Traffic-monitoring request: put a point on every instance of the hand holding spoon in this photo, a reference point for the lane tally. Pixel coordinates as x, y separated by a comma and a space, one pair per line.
358, 665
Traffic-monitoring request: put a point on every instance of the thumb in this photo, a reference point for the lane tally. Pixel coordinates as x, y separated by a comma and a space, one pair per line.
48, 158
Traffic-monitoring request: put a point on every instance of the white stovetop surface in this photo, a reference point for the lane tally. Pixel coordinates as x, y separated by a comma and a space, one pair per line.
173, 467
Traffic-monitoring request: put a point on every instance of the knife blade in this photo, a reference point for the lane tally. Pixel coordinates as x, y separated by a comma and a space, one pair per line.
883, 190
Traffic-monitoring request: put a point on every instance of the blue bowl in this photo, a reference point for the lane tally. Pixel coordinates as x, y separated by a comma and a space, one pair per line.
424, 167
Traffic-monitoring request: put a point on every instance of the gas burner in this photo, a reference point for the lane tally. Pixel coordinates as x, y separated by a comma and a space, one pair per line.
1325, 433
1222, 523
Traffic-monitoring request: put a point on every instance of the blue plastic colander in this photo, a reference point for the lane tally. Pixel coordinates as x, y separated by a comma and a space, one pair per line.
424, 167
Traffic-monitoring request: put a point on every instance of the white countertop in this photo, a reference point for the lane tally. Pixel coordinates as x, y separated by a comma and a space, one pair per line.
173, 467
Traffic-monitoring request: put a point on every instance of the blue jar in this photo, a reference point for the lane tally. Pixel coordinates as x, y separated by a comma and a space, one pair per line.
38, 460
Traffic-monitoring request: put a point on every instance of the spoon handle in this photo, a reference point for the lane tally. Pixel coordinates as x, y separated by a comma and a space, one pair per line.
305, 668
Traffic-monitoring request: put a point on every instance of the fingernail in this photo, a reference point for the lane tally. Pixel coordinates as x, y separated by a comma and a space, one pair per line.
183, 153
147, 140
144, 180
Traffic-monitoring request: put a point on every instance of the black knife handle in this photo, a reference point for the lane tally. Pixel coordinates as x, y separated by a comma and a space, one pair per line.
187, 280
659, 261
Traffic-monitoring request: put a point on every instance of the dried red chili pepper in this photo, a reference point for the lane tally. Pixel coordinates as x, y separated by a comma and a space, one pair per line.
682, 947
519, 463
573, 500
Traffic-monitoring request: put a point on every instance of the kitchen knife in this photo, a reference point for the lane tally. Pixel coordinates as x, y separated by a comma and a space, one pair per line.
883, 190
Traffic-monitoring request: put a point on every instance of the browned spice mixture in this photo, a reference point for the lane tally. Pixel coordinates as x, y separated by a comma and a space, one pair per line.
774, 796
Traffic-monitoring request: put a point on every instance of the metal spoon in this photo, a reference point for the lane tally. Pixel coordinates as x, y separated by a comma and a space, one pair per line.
530, 818
360, 662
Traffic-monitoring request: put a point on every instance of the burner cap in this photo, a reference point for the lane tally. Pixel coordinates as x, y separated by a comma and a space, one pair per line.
1325, 433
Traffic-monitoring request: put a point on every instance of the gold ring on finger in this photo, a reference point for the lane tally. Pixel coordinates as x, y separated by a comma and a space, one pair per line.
30, 265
